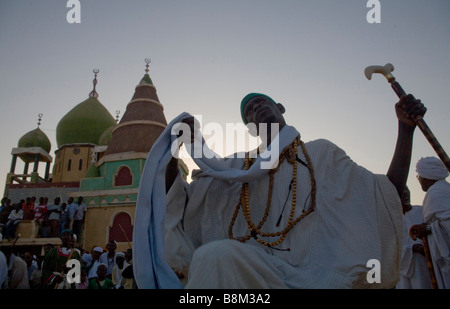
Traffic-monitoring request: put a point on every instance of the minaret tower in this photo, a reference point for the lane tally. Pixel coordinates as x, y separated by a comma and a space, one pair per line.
141, 124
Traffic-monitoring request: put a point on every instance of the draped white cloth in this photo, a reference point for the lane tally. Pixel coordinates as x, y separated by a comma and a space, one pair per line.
414, 272
357, 218
436, 212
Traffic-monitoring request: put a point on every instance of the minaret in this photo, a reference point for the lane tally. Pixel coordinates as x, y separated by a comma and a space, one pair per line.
141, 124
111, 185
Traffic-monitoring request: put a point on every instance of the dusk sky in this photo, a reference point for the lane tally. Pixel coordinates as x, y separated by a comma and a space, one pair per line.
207, 55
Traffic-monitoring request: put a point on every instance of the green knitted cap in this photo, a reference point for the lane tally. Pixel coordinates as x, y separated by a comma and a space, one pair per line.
247, 98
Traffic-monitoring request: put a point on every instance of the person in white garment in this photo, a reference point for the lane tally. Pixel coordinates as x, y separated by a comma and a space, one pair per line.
431, 174
414, 272
3, 270
17, 277
312, 219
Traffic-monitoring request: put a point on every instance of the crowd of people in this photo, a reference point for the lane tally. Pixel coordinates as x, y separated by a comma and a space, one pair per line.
51, 218
100, 268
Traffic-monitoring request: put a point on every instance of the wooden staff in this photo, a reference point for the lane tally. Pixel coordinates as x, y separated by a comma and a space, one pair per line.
14, 243
386, 72
125, 234
426, 248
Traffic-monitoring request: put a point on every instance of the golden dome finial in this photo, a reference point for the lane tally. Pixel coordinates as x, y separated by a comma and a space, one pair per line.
39, 119
147, 61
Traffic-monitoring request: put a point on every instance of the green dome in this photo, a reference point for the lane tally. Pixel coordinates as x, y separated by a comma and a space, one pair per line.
106, 136
146, 79
35, 138
85, 123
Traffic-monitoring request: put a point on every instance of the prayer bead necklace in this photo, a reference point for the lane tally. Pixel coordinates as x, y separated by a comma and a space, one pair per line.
290, 154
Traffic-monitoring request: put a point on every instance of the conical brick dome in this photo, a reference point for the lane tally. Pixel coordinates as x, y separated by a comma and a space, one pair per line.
141, 124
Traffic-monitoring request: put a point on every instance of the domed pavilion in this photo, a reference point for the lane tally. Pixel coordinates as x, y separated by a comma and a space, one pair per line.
32, 148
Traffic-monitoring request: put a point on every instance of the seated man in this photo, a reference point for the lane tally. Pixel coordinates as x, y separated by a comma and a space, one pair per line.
315, 219
14, 218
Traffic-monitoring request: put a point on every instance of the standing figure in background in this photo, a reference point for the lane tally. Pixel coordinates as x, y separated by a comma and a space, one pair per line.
78, 218
431, 174
54, 217
414, 273
109, 258
14, 219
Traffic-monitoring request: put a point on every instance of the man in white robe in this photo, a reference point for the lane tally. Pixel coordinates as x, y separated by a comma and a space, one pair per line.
357, 217
17, 271
436, 216
414, 272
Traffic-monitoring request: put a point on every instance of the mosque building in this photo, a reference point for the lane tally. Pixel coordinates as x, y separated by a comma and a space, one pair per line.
98, 158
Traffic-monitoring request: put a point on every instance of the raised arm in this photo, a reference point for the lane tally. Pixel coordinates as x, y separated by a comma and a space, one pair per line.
406, 109
172, 168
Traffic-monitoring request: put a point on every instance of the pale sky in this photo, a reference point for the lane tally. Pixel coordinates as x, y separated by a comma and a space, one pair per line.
207, 55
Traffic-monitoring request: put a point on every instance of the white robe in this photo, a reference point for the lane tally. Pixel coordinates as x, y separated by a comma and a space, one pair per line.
436, 212
414, 272
357, 218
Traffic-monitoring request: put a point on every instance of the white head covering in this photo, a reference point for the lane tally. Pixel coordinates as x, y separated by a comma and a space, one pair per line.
431, 168
87, 258
98, 249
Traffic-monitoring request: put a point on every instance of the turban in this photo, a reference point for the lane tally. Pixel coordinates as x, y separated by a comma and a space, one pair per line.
98, 249
247, 98
86, 258
431, 168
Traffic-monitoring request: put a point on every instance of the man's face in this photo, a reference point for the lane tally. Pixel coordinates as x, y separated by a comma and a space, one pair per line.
28, 257
66, 237
261, 110
128, 255
111, 246
96, 255
120, 260
101, 271
425, 183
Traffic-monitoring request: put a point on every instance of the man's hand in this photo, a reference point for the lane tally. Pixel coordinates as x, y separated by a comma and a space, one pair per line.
418, 248
409, 108
419, 231
190, 121
58, 279
172, 168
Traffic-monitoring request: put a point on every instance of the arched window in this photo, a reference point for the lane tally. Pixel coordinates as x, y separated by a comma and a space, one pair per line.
123, 177
121, 229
